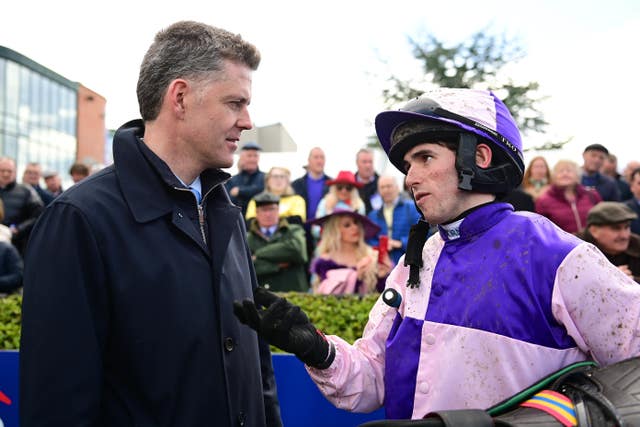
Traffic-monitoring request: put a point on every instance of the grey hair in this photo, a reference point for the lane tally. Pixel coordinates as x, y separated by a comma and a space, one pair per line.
190, 50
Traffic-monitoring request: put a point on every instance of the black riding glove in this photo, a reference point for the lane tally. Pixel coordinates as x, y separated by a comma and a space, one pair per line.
285, 326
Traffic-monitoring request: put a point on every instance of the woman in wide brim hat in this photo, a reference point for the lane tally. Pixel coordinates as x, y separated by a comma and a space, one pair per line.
343, 194
345, 262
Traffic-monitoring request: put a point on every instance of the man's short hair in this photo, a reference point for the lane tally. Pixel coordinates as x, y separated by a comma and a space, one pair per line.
190, 50
79, 168
596, 147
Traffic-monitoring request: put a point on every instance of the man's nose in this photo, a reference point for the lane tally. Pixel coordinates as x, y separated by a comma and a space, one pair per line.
244, 120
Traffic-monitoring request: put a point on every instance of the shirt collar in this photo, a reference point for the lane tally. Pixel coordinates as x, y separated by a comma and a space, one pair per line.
475, 222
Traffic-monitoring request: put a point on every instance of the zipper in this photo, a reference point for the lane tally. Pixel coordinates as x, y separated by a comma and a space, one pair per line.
201, 222
576, 215
200, 211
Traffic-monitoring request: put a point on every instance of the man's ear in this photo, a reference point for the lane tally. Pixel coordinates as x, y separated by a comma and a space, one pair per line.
483, 156
175, 96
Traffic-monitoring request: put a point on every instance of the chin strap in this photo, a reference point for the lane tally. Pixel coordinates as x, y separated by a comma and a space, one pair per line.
413, 256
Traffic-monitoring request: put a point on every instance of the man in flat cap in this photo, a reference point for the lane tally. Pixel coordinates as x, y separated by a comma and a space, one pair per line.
279, 249
594, 156
609, 228
249, 180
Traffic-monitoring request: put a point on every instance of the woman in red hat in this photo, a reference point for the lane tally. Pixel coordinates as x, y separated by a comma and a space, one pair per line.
345, 263
343, 194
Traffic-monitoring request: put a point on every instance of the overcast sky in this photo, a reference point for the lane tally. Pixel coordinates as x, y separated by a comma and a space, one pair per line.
324, 63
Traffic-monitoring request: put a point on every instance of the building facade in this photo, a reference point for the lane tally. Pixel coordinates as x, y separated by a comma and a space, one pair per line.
47, 118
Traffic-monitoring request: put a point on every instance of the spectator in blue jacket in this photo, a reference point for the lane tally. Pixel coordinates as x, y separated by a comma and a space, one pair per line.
395, 217
594, 156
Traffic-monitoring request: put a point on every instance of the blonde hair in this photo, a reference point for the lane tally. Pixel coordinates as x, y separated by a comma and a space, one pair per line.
565, 163
331, 242
288, 191
356, 202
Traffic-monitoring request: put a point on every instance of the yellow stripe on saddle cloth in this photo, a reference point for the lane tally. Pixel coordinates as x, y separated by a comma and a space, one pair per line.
555, 404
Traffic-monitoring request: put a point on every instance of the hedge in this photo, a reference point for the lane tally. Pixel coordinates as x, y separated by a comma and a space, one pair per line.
10, 319
343, 315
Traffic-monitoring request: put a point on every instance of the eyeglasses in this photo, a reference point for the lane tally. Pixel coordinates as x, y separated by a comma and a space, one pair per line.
278, 176
341, 187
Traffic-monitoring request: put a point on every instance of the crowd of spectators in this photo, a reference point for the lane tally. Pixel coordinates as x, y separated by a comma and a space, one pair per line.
296, 210
566, 192
20, 206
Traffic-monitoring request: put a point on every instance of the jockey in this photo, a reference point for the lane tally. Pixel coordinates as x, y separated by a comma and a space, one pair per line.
491, 303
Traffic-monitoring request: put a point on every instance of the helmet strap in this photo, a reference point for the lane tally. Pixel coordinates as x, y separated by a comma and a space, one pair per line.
466, 161
494, 179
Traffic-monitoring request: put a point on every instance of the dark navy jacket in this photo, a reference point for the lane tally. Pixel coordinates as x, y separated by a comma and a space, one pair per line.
127, 313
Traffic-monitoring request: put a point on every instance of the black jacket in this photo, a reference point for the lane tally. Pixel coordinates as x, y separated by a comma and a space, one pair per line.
127, 313
22, 206
368, 191
635, 224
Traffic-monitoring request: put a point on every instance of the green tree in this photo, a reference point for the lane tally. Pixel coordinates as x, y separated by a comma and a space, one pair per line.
473, 63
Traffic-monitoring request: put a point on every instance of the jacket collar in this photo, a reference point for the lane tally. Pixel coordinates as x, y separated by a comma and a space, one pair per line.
148, 185
477, 221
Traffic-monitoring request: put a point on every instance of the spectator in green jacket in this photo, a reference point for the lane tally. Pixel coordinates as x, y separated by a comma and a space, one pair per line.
279, 249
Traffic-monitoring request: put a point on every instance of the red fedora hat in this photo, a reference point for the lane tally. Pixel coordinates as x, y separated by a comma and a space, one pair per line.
345, 177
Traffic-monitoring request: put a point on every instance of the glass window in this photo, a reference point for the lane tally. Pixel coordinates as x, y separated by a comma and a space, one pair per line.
3, 84
13, 88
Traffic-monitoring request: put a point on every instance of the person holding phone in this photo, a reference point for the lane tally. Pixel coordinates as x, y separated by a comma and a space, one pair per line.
395, 218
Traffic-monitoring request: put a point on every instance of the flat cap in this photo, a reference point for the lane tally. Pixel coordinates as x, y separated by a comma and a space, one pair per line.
266, 198
49, 173
610, 213
251, 146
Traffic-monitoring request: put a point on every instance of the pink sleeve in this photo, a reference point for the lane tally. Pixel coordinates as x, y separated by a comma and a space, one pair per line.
598, 305
355, 379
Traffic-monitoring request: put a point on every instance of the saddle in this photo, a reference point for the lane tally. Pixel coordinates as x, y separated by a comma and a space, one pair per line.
582, 394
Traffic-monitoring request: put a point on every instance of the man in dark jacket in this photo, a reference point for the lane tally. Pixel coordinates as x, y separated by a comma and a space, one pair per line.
133, 324
22, 205
249, 180
31, 176
608, 228
312, 185
634, 201
368, 177
594, 156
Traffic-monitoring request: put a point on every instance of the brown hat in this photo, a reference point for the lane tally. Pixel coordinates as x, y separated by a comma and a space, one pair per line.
610, 213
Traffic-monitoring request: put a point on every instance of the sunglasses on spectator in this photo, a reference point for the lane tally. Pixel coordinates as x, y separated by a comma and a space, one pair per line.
341, 187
